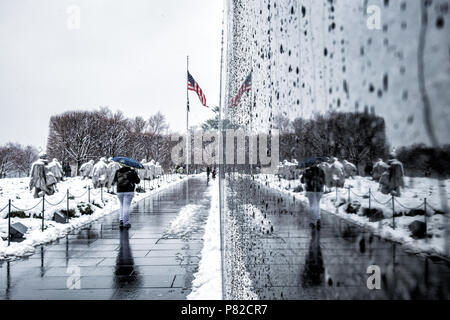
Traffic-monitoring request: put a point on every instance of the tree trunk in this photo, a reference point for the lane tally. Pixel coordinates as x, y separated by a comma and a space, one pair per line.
78, 167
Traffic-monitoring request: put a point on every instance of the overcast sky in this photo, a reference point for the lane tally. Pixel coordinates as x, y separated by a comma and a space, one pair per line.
128, 55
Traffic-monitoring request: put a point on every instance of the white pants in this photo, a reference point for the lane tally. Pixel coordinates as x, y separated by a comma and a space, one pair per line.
125, 199
314, 203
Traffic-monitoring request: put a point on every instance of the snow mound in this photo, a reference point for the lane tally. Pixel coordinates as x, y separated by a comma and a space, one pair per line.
186, 222
207, 284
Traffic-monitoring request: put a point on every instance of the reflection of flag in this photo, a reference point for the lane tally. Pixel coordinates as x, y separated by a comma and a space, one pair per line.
246, 86
193, 86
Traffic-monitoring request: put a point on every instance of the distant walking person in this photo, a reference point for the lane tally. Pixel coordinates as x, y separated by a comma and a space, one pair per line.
67, 170
314, 179
126, 179
208, 171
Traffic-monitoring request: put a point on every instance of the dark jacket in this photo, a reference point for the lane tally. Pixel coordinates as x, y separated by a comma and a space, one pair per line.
314, 178
126, 179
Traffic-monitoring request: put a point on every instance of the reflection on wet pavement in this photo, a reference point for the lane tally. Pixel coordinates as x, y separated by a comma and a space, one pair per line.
102, 262
125, 274
314, 271
295, 262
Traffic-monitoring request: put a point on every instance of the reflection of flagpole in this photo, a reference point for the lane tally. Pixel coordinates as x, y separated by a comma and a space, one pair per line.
187, 119
252, 106
188, 139
221, 164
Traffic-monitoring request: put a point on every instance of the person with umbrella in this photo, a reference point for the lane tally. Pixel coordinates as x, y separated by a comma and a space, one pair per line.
314, 180
126, 179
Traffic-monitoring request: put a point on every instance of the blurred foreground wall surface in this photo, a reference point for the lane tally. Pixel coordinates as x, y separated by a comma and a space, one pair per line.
391, 58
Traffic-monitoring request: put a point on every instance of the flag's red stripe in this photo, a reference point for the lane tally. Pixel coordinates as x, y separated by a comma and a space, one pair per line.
195, 87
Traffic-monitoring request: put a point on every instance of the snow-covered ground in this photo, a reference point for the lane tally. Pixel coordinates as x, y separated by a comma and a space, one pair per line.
413, 196
207, 283
17, 190
186, 222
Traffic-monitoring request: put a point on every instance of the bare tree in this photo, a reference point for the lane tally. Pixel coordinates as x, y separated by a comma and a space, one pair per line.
138, 125
282, 123
14, 158
156, 145
78, 136
157, 124
357, 137
73, 136
6, 160
136, 146
24, 158
114, 134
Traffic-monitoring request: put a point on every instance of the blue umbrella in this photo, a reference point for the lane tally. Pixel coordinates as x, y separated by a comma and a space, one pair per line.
128, 162
312, 161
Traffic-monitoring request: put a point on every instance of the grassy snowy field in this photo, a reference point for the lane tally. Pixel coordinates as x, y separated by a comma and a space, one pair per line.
413, 195
27, 210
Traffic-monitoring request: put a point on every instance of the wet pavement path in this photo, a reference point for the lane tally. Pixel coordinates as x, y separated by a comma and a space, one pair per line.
295, 262
102, 262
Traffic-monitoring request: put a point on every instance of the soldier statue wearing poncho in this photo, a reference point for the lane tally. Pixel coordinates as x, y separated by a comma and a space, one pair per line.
42, 181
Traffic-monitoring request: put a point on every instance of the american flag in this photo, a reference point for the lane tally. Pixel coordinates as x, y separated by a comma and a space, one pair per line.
193, 86
246, 86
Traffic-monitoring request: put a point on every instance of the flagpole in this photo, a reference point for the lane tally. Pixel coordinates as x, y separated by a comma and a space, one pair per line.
188, 140
187, 120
